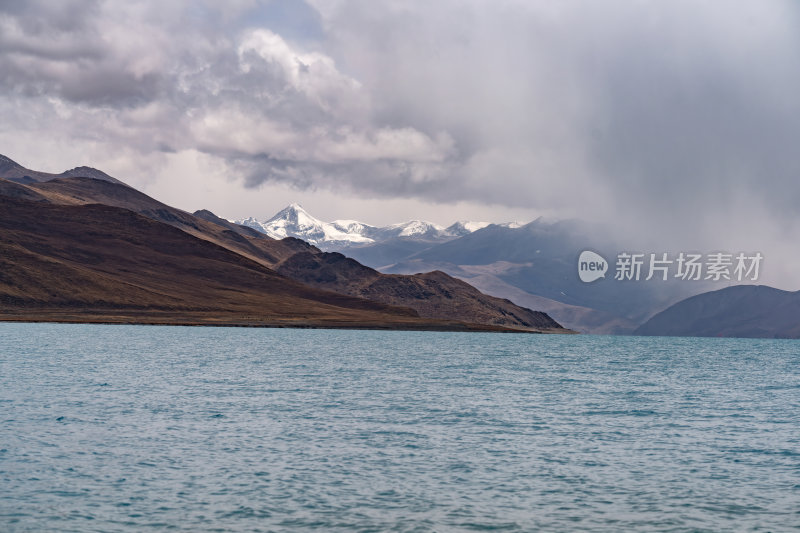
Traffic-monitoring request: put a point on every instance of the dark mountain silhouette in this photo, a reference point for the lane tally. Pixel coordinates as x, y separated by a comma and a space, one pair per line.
739, 311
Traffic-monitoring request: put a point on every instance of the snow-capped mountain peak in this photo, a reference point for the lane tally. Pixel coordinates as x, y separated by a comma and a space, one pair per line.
354, 226
464, 227
294, 221
294, 216
416, 228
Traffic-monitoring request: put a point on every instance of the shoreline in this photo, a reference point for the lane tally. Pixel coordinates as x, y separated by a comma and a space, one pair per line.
434, 326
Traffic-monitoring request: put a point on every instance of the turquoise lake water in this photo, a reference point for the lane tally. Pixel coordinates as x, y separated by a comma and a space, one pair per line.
137, 428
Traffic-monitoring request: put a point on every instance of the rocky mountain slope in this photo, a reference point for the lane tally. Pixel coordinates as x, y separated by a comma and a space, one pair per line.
433, 294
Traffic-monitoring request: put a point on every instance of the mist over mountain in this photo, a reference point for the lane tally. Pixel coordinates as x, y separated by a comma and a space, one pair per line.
533, 262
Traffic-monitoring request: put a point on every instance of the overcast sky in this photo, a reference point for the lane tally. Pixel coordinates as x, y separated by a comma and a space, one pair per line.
677, 122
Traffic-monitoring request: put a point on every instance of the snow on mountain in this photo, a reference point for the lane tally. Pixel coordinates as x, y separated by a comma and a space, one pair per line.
415, 228
512, 225
355, 227
464, 227
294, 221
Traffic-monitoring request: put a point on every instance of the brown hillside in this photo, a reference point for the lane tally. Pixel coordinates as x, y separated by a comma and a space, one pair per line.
101, 263
434, 295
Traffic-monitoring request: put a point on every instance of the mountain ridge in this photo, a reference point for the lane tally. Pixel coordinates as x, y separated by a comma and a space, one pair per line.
295, 221
12, 171
269, 253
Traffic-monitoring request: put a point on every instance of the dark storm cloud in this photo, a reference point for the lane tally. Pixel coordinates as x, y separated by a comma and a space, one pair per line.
691, 119
657, 115
675, 121
58, 49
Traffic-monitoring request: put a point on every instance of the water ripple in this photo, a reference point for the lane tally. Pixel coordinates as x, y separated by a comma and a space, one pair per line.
132, 428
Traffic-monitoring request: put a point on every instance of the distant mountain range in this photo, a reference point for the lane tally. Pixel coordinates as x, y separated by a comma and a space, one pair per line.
294, 221
531, 264
739, 311
83, 247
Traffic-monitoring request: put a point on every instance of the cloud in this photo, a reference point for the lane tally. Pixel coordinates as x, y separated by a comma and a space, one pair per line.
673, 121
